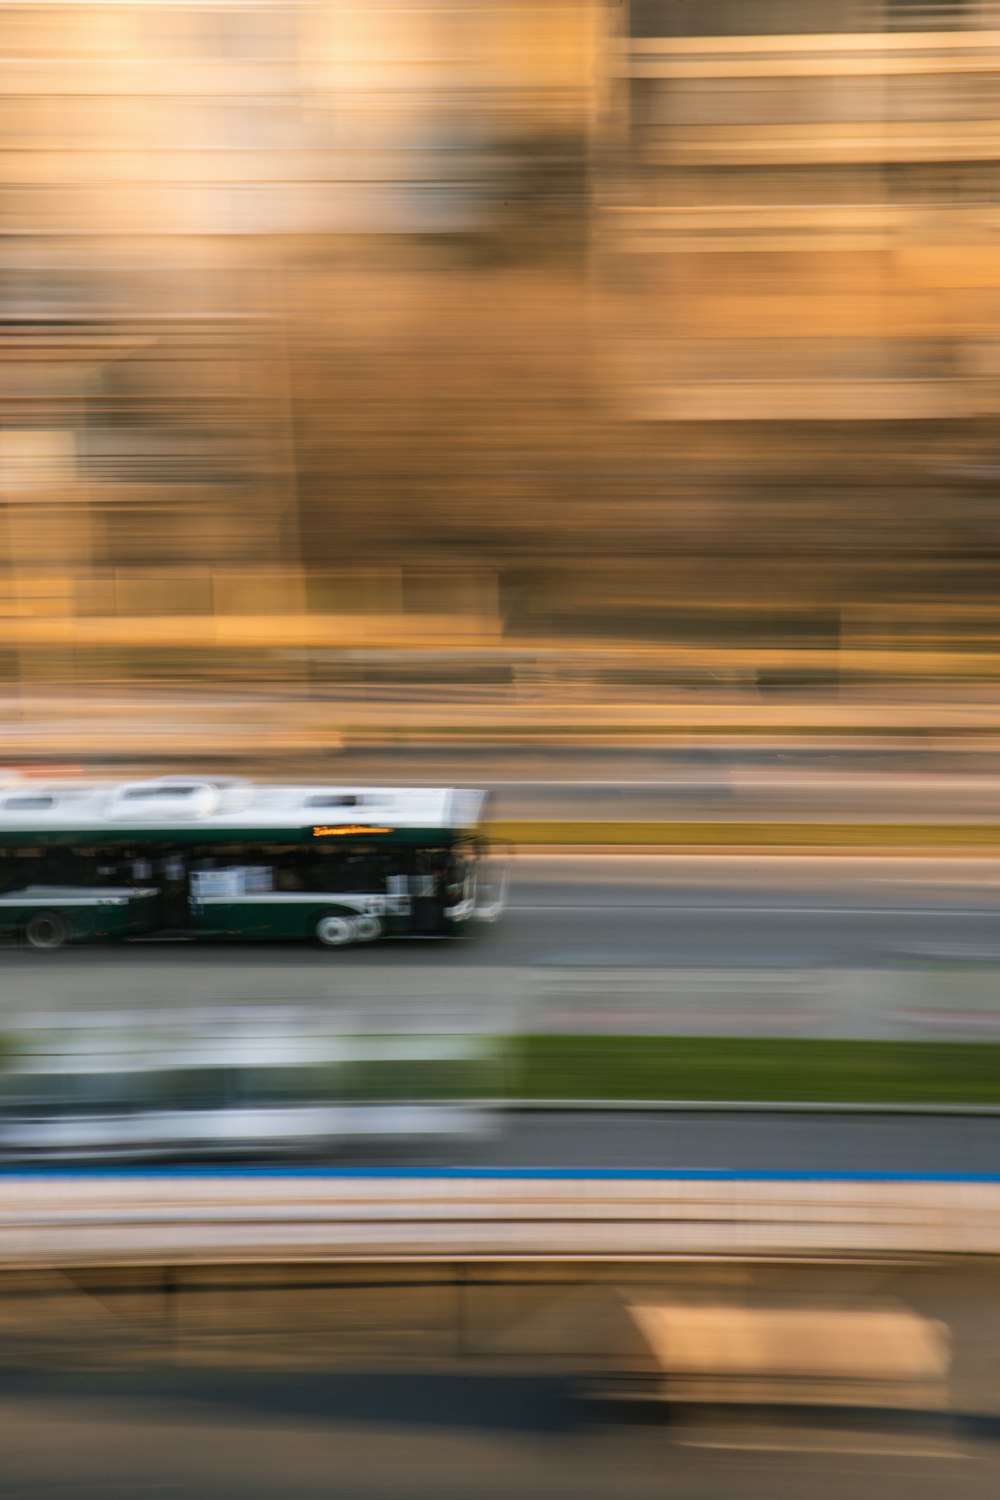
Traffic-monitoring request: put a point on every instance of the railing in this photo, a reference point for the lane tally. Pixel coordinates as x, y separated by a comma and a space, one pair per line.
146, 1217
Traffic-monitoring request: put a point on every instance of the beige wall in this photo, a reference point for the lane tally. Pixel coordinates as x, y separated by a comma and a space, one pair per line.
807, 224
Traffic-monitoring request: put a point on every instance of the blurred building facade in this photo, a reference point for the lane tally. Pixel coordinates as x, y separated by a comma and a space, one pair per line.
801, 233
340, 324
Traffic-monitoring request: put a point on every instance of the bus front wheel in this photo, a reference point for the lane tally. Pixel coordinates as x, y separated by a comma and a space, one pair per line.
336, 932
46, 930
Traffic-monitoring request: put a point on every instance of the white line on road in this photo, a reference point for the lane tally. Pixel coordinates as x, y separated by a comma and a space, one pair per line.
779, 780
767, 911
782, 859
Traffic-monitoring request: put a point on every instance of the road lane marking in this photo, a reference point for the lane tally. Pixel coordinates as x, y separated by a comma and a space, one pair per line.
769, 911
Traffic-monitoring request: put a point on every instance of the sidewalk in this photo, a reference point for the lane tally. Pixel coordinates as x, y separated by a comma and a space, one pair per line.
166, 724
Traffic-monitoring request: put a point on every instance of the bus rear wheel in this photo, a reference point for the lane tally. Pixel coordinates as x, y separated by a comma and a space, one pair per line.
336, 932
46, 930
368, 929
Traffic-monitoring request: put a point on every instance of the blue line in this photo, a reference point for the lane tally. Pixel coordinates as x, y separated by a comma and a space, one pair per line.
484, 1174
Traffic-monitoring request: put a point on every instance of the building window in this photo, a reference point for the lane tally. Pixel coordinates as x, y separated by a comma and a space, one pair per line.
929, 15
670, 18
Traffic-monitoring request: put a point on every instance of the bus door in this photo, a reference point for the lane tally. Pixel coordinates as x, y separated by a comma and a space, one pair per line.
398, 901
428, 889
172, 879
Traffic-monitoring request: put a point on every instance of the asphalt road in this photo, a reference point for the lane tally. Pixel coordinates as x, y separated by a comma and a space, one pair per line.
719, 1141
713, 782
394, 1438
749, 910
737, 793
605, 911
747, 945
811, 783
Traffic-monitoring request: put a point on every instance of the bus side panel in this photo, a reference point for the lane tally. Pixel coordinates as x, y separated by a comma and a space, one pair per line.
237, 919
141, 916
215, 919
94, 922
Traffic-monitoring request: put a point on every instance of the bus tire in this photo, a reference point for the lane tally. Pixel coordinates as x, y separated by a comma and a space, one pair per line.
46, 929
368, 928
335, 931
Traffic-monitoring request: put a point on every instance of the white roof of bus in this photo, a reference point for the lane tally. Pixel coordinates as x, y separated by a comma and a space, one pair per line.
197, 802
70, 1049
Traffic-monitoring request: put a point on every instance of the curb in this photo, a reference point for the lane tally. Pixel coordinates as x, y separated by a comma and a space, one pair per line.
756, 836
757, 851
727, 1106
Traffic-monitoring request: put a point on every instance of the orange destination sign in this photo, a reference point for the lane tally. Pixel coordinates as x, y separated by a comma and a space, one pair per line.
325, 830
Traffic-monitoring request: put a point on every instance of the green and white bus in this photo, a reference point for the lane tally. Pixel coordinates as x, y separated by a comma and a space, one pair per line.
222, 858
235, 1085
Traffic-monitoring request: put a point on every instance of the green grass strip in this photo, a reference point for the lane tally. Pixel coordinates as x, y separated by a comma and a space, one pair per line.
775, 1070
756, 835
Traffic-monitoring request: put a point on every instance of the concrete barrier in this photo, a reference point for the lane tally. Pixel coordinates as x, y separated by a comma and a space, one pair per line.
137, 1218
864, 1353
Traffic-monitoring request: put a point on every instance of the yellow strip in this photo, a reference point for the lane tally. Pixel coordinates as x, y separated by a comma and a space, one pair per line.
824, 835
